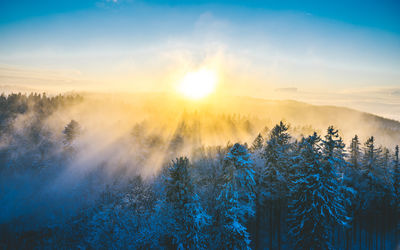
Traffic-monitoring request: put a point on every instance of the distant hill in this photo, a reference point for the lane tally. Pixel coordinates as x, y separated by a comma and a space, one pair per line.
261, 112
214, 120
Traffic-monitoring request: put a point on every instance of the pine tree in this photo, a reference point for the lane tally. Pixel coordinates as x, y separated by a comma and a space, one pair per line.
259, 191
396, 172
317, 203
277, 157
352, 173
355, 152
372, 155
386, 158
386, 176
333, 151
396, 187
71, 131
258, 143
274, 178
189, 217
236, 199
372, 190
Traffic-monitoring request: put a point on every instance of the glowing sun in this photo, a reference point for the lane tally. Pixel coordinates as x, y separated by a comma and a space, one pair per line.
198, 84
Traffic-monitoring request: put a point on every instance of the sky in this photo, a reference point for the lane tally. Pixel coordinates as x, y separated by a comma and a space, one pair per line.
343, 53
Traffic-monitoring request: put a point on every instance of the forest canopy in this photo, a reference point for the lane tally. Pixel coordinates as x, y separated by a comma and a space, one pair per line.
83, 171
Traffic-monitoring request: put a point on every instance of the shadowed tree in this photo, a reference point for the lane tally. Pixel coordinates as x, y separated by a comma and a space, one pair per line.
372, 189
188, 215
257, 144
71, 131
317, 201
396, 172
236, 200
355, 152
277, 155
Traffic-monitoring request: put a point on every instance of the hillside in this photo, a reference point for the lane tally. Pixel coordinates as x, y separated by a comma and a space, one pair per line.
261, 113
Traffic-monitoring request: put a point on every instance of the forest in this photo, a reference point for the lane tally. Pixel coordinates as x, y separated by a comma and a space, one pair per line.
212, 181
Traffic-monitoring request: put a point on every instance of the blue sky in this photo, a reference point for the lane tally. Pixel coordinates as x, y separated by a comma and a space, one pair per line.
375, 14
345, 47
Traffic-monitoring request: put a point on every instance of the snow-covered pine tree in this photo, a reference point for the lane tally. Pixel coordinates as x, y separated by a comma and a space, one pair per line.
257, 144
317, 203
386, 158
396, 187
259, 191
303, 230
352, 173
189, 216
71, 131
396, 173
274, 179
236, 200
387, 179
277, 157
372, 189
355, 152
333, 151
333, 146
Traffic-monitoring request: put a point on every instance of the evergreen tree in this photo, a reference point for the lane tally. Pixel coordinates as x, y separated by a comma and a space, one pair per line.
396, 187
189, 217
386, 158
372, 155
71, 131
236, 199
274, 178
385, 166
355, 152
352, 173
259, 191
277, 157
372, 190
396, 173
333, 148
258, 143
317, 203
333, 151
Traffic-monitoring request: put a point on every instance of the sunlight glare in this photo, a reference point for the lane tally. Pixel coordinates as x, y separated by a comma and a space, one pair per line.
198, 84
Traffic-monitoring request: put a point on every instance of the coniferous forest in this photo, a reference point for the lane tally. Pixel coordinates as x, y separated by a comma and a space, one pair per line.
282, 186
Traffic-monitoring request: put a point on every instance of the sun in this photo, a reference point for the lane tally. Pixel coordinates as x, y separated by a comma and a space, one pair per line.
198, 84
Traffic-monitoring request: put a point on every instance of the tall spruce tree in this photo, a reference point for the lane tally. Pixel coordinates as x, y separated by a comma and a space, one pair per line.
236, 200
372, 190
71, 131
274, 178
333, 151
277, 158
317, 203
355, 152
396, 173
257, 144
259, 168
396, 187
189, 217
353, 171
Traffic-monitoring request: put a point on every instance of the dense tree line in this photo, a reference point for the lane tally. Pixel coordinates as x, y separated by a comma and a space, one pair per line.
279, 192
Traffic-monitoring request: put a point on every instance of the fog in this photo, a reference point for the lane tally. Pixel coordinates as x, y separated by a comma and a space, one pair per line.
121, 136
